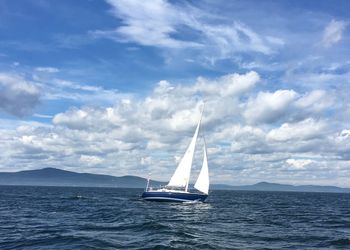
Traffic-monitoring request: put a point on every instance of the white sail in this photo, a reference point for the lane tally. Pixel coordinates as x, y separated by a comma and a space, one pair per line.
202, 183
181, 177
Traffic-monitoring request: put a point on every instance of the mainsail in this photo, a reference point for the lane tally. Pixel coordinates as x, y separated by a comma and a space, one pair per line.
181, 177
202, 183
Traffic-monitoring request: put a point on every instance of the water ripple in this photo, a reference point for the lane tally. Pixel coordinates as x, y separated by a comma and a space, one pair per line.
106, 218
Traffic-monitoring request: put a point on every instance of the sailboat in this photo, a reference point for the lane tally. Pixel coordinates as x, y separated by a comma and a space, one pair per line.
178, 187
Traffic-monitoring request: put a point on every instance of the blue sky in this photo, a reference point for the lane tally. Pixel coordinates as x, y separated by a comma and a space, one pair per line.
115, 87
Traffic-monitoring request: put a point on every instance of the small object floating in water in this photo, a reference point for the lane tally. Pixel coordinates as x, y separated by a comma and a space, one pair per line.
177, 188
77, 197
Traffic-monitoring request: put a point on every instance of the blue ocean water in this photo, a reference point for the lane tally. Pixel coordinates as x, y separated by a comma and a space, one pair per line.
109, 218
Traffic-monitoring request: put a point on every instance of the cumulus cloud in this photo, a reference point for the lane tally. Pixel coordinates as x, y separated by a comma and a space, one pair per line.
85, 119
315, 101
244, 139
304, 130
172, 107
134, 129
269, 107
333, 33
272, 107
18, 96
228, 85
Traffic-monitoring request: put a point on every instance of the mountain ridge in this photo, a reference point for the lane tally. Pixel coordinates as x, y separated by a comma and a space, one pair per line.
60, 177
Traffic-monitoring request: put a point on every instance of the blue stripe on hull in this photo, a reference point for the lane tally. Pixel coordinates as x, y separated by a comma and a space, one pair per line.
169, 196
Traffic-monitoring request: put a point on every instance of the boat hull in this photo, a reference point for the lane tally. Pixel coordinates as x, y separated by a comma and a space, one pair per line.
173, 196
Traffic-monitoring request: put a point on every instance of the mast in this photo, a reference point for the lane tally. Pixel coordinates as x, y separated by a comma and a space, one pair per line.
147, 184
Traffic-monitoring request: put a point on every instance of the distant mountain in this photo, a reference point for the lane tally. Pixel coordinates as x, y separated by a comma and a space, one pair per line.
266, 186
58, 177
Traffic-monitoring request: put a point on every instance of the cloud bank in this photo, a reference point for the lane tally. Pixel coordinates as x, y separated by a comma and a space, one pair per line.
251, 134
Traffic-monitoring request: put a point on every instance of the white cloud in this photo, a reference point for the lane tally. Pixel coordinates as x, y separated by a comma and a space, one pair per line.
316, 101
90, 160
148, 23
87, 118
156, 23
43, 116
18, 96
47, 69
228, 85
269, 107
244, 139
225, 40
280, 105
345, 133
146, 160
299, 163
303, 130
333, 33
58, 89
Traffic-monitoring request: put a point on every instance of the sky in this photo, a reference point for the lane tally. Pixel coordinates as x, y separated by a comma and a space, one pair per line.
116, 87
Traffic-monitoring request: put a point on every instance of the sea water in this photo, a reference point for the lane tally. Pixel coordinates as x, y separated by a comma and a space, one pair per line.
111, 218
